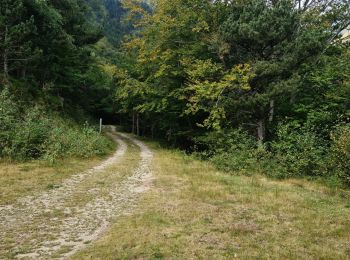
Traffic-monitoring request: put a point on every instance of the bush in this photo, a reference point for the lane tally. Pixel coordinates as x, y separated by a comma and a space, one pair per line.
9, 112
296, 152
32, 133
340, 153
70, 140
233, 150
28, 136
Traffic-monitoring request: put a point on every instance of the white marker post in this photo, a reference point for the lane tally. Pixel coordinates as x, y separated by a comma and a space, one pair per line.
100, 125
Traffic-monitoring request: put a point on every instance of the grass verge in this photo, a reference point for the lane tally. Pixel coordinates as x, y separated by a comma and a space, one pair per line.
194, 211
19, 179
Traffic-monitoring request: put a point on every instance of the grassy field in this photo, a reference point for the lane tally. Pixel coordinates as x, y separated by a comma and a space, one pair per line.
193, 211
40, 177
21, 179
27, 178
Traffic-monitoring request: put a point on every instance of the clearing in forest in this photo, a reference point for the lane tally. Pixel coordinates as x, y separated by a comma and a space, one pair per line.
190, 210
60, 221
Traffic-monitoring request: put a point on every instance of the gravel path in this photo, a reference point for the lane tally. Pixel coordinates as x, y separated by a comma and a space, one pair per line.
76, 226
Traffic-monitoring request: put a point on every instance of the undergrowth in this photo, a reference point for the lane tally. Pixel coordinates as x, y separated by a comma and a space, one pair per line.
29, 131
294, 152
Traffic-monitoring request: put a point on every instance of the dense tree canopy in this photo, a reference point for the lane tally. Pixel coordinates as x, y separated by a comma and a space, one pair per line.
229, 64
192, 72
273, 70
46, 47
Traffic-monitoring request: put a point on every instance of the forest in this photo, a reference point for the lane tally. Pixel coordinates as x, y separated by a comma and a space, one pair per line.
226, 129
254, 86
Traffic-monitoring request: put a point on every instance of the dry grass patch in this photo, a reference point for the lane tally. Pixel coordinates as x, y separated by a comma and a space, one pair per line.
19, 179
97, 185
22, 179
102, 182
194, 211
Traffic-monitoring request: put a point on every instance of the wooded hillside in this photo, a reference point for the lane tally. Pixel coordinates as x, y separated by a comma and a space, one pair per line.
252, 86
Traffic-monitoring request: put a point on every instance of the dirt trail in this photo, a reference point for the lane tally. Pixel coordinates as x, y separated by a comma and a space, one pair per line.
78, 225
36, 204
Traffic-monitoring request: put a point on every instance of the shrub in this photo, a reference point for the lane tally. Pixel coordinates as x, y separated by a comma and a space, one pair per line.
28, 135
75, 141
32, 133
296, 152
233, 150
8, 119
340, 153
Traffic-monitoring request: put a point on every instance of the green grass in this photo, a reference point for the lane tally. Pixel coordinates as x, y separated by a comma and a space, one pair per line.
19, 179
194, 211
40, 176
106, 179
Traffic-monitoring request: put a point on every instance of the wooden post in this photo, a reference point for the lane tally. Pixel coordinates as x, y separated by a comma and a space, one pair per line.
100, 125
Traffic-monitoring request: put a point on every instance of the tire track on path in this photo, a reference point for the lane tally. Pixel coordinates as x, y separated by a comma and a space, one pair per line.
27, 208
28, 211
85, 223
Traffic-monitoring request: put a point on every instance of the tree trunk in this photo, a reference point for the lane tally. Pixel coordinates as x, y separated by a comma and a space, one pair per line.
23, 72
133, 122
169, 133
261, 131
5, 55
152, 131
272, 110
292, 97
138, 124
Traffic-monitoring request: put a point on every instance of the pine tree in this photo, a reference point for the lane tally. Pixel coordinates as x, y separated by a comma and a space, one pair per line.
15, 46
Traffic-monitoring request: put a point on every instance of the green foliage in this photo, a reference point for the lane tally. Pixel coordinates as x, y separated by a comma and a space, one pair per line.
28, 135
227, 63
340, 153
68, 139
8, 118
48, 69
16, 48
231, 150
47, 46
264, 82
32, 133
325, 94
208, 92
297, 152
172, 37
